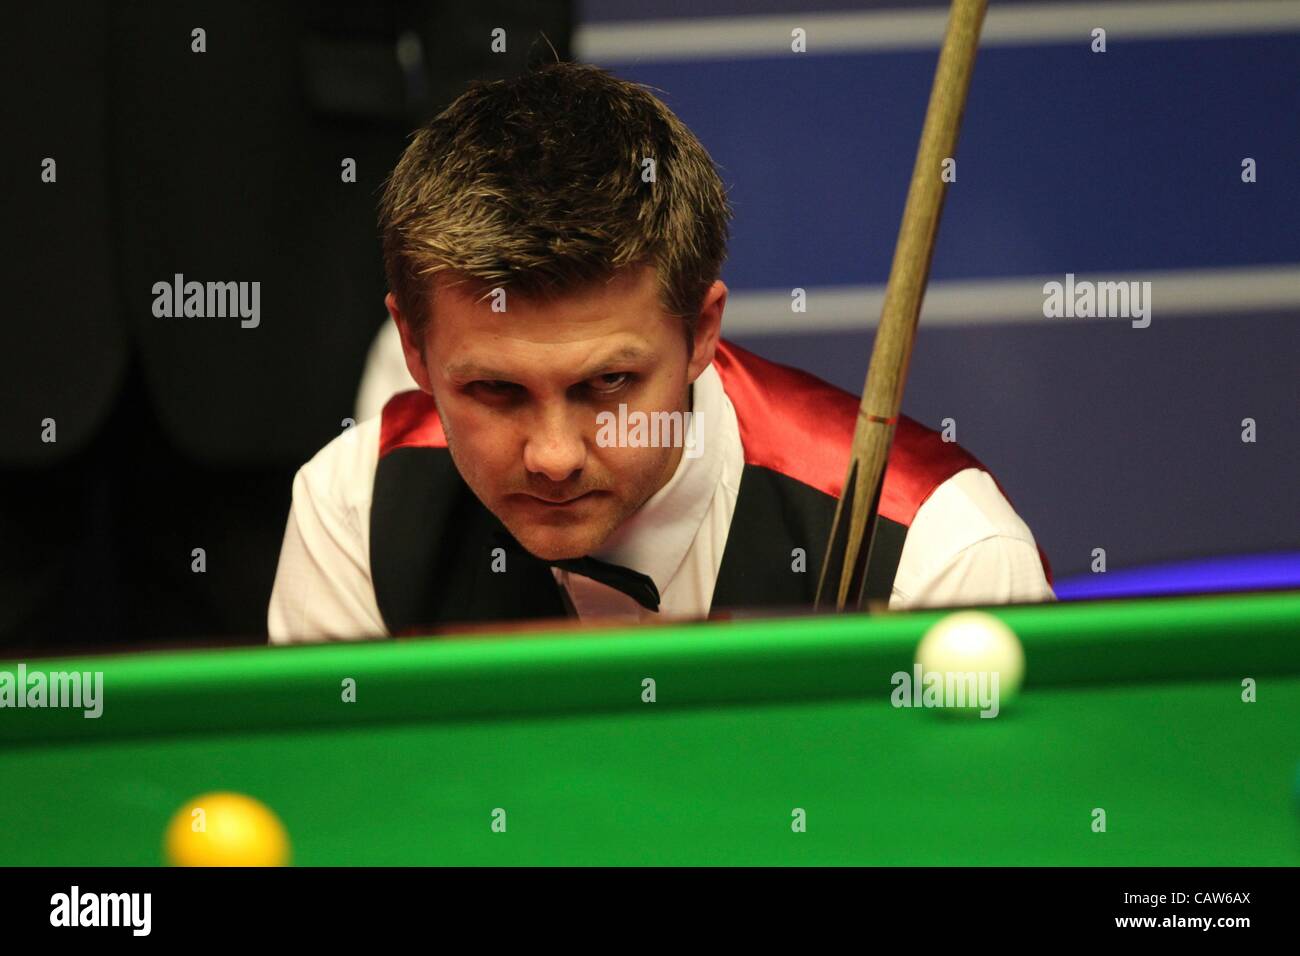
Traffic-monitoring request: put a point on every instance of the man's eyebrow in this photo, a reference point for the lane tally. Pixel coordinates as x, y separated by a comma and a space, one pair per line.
473, 370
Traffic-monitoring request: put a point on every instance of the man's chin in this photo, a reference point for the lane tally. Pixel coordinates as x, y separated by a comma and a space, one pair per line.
555, 537
552, 547
556, 542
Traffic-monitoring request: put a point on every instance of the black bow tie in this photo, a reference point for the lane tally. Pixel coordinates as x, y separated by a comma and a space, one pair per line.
640, 587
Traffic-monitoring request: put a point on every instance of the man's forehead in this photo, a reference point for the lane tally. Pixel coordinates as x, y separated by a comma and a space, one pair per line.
587, 363
626, 283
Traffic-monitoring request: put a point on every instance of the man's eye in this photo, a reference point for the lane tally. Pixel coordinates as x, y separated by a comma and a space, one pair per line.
495, 387
608, 383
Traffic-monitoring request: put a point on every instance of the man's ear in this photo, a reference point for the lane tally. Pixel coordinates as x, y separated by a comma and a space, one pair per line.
708, 329
412, 348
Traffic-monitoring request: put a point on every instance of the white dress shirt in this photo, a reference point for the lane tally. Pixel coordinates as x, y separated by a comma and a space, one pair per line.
966, 544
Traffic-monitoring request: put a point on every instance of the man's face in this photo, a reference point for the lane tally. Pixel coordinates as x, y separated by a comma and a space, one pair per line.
519, 391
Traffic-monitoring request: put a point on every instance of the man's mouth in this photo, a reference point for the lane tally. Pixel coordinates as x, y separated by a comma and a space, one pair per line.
541, 502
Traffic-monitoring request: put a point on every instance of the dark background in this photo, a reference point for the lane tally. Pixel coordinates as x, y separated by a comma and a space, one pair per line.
175, 434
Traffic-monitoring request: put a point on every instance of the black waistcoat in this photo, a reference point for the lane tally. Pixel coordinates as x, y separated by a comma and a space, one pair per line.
432, 548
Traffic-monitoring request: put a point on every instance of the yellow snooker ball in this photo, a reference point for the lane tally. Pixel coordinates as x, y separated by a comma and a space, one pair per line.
226, 829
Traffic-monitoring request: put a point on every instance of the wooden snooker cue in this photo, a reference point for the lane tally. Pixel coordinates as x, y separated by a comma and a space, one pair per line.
882, 394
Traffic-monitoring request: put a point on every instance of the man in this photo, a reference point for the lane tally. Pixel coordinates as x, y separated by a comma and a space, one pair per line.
553, 245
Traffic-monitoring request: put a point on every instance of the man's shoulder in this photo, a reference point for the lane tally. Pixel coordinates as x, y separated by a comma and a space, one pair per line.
341, 476
322, 584
342, 472
968, 545
972, 502
799, 425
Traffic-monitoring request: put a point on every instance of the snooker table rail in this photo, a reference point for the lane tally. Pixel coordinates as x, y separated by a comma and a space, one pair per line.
693, 664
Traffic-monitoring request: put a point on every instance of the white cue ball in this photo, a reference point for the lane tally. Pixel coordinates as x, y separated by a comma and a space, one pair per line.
974, 641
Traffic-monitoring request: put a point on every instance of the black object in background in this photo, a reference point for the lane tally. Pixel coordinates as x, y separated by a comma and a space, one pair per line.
183, 433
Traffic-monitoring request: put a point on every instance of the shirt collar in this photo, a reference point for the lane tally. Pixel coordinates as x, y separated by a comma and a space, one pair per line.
657, 537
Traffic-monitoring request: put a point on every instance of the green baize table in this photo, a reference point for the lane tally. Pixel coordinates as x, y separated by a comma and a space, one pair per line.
770, 741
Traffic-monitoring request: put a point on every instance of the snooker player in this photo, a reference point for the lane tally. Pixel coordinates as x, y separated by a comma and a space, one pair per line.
553, 245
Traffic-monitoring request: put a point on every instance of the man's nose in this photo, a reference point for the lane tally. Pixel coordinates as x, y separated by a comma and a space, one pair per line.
555, 446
